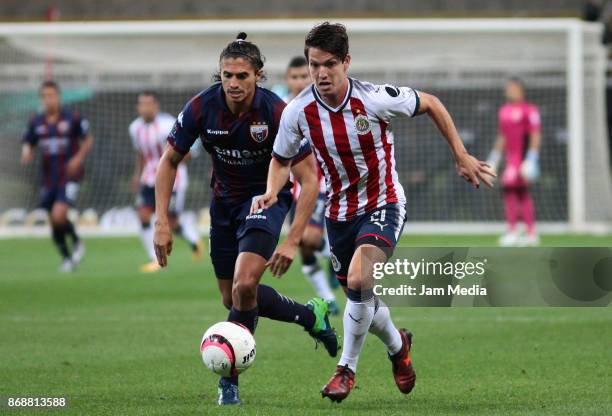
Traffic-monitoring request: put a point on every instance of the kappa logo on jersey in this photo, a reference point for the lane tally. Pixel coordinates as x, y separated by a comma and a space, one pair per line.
259, 132
362, 124
217, 132
180, 119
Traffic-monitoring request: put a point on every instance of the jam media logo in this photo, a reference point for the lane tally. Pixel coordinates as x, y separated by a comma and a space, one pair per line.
362, 124
259, 132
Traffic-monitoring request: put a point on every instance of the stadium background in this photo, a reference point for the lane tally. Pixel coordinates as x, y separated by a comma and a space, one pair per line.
107, 100
115, 341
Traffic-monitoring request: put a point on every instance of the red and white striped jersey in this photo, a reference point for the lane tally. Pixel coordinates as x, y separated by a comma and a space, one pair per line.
149, 139
353, 144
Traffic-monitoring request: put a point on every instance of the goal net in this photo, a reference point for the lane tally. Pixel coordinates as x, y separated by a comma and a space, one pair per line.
101, 67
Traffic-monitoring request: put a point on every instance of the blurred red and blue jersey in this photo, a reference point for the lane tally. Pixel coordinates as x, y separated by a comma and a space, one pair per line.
58, 142
240, 146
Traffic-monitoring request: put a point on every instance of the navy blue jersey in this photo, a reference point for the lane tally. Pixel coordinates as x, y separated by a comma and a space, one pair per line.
240, 146
58, 142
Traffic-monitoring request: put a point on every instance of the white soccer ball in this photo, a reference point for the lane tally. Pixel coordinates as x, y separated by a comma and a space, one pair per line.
227, 348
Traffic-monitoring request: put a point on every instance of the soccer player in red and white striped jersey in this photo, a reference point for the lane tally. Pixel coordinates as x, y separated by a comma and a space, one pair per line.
149, 133
348, 125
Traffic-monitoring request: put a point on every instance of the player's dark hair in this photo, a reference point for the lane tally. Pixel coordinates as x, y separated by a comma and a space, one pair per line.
297, 62
149, 93
329, 37
49, 84
242, 48
517, 80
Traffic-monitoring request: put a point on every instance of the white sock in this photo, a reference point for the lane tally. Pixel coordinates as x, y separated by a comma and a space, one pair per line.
189, 230
357, 319
382, 326
318, 280
146, 235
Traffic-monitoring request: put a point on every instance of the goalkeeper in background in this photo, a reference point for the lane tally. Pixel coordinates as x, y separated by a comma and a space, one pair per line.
519, 136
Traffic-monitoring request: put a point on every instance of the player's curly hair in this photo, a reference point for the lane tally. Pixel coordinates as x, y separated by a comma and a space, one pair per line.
329, 37
242, 48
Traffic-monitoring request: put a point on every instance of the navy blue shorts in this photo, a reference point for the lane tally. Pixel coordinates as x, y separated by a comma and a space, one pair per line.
317, 218
230, 225
381, 227
66, 193
146, 198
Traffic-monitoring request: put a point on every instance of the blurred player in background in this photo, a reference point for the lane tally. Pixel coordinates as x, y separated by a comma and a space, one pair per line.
313, 241
237, 121
519, 136
348, 123
149, 133
296, 79
64, 140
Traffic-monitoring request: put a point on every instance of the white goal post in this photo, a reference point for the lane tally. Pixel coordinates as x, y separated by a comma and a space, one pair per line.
101, 66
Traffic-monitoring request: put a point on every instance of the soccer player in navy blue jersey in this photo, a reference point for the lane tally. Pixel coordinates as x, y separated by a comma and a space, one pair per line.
64, 140
237, 121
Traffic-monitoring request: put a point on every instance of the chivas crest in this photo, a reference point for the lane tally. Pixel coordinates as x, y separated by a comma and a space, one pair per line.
259, 132
362, 124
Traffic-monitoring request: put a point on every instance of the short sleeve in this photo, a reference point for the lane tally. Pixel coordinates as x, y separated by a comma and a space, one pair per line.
186, 129
533, 119
304, 151
80, 126
30, 134
391, 101
288, 142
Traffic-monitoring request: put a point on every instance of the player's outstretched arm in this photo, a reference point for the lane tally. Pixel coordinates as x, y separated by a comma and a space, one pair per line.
468, 167
305, 172
278, 175
166, 173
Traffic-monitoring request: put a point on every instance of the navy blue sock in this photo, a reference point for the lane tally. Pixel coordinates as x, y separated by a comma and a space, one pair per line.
309, 260
246, 318
278, 307
59, 238
360, 295
71, 231
232, 379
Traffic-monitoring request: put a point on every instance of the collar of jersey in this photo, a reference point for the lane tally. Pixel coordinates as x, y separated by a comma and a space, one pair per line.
254, 105
341, 106
64, 113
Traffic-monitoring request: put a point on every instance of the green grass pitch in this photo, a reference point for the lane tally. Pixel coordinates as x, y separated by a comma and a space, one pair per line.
118, 342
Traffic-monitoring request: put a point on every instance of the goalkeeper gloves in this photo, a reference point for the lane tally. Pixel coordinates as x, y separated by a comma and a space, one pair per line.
530, 168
